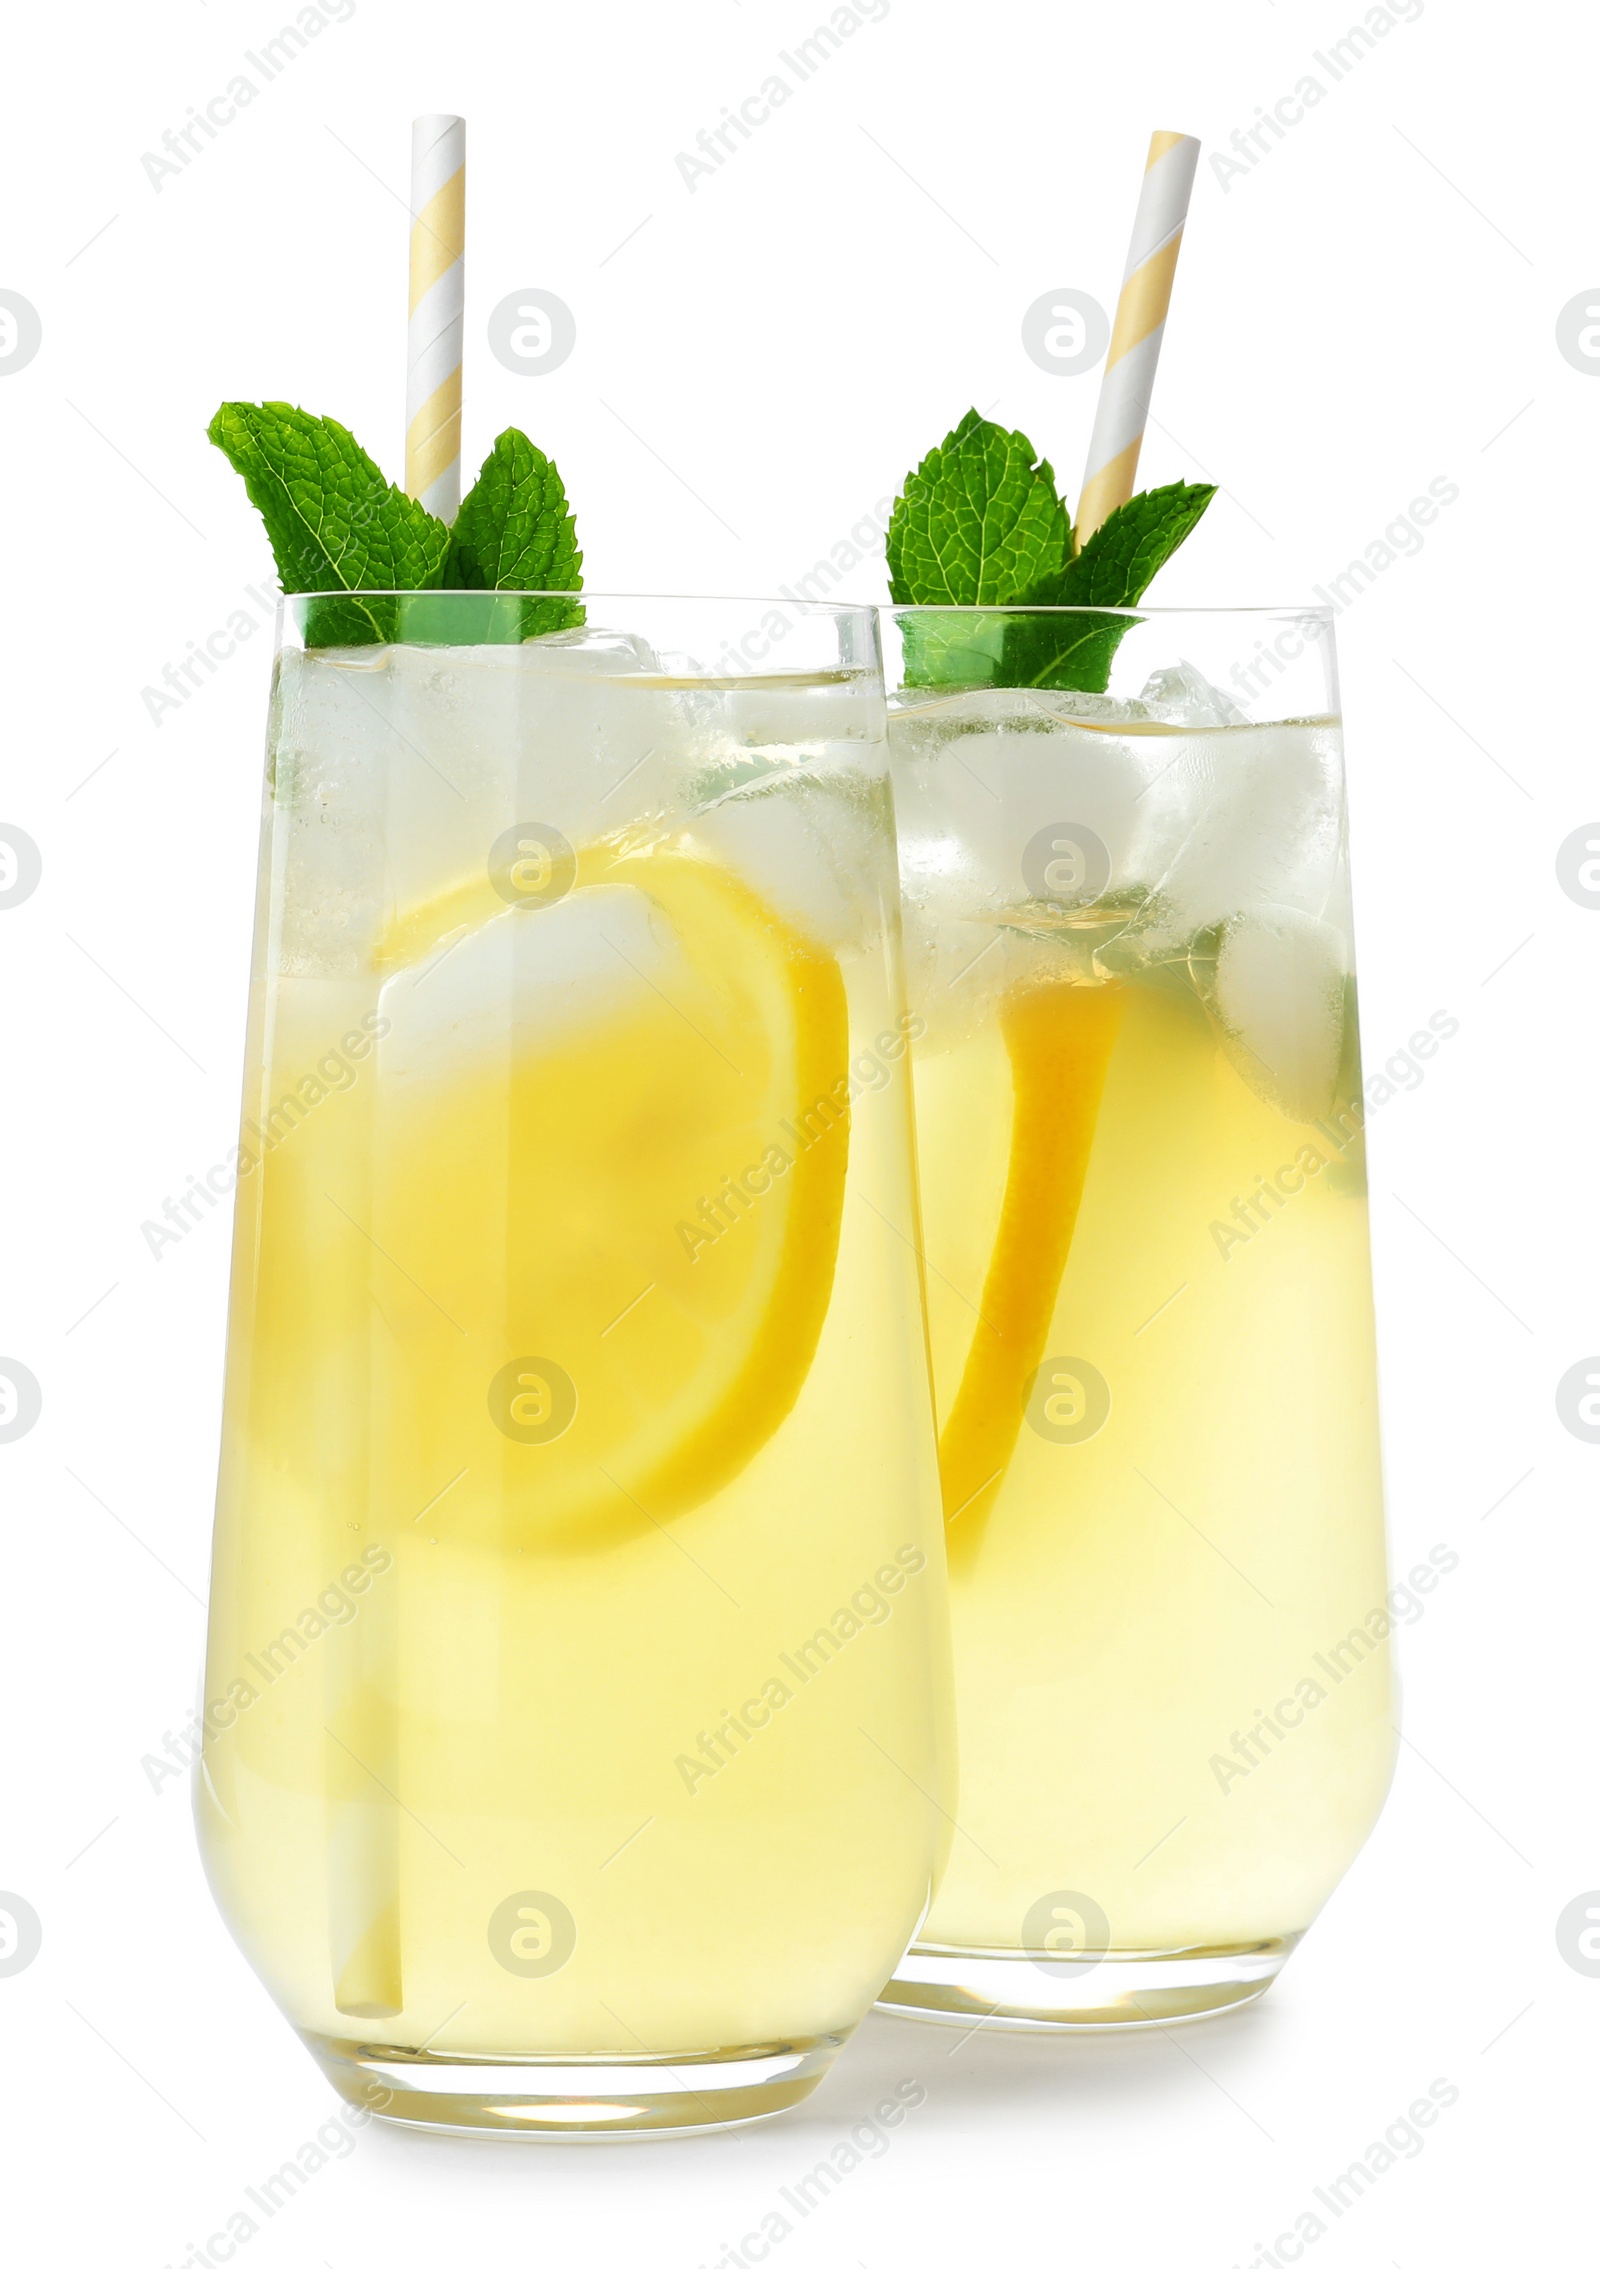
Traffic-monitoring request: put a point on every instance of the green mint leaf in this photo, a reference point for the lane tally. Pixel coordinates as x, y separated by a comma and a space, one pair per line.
1123, 557
1062, 653
978, 523
954, 649
333, 521
1114, 569
514, 533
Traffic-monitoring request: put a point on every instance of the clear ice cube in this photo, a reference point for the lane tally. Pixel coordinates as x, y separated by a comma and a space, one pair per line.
1276, 993
1239, 818
519, 984
1216, 844
399, 767
813, 843
1181, 696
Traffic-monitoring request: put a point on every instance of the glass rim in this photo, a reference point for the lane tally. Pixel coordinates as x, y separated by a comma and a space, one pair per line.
610, 598
812, 606
1126, 614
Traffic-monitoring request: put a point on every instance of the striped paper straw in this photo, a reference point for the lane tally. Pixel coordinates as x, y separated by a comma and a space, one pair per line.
433, 339
1130, 371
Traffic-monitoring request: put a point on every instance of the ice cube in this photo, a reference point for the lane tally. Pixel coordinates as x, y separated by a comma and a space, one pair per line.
1247, 816
1181, 696
1014, 709
814, 711
1276, 992
997, 793
1072, 706
327, 754
813, 841
983, 779
590, 651
396, 769
520, 983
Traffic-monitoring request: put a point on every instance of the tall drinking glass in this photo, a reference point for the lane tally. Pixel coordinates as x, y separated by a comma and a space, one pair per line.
1139, 1113
578, 1633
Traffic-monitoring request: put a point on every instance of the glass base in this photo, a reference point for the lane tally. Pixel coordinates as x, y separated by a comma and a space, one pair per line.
968, 1985
586, 2096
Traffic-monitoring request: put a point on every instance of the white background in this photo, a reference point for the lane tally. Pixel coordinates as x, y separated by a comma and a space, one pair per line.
1370, 306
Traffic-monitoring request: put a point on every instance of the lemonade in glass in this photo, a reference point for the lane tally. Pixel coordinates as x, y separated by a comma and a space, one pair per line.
577, 1684
1139, 1114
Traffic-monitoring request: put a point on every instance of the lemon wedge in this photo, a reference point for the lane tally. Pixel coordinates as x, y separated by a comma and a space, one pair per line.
1059, 1039
624, 1217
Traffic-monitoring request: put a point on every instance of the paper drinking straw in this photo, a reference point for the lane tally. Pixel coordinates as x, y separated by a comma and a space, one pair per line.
433, 339
365, 1766
1130, 371
360, 1663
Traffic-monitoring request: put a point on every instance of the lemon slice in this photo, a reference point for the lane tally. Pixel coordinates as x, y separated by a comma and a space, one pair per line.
1059, 1039
613, 1163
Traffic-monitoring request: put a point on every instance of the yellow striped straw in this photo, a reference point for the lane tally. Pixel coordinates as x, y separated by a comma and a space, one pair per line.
1129, 375
433, 338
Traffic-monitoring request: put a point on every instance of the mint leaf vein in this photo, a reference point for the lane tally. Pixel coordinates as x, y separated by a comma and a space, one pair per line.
336, 524
333, 521
979, 522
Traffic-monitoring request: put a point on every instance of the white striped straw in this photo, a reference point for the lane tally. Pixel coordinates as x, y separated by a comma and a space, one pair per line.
1130, 371
433, 338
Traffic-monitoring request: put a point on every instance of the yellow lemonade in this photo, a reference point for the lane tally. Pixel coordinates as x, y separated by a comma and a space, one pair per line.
1139, 1131
577, 1656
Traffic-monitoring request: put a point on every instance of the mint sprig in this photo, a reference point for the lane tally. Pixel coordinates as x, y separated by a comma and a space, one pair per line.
1126, 553
514, 532
979, 524
1114, 569
336, 524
